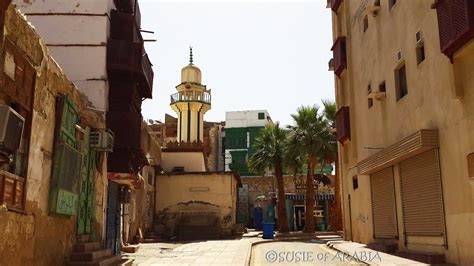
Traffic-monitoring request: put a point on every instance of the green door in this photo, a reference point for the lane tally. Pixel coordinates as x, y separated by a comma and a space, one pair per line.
87, 193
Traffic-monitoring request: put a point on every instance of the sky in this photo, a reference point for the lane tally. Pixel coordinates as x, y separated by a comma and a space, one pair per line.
253, 55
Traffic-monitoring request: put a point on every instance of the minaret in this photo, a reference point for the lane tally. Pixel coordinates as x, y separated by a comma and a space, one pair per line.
190, 103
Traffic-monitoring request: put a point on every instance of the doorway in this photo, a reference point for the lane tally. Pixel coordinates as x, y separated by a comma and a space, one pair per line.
299, 211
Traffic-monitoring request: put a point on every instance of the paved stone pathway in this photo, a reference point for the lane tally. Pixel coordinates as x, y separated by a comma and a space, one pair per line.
211, 252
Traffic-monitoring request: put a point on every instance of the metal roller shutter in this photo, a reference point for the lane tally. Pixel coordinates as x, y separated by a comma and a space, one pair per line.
422, 196
384, 210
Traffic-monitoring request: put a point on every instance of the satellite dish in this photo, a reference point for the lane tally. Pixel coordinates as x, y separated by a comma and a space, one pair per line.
150, 121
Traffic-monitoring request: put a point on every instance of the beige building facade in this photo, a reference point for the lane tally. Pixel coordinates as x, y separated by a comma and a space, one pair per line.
196, 205
42, 213
404, 78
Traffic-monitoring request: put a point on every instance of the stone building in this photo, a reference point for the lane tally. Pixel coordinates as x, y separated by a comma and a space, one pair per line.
52, 189
100, 47
404, 78
241, 130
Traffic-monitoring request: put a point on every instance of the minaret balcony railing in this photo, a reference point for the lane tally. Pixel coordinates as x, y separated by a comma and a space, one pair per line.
203, 97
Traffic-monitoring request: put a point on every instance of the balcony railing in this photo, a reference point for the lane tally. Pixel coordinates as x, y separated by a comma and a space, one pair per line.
343, 124
129, 59
339, 55
147, 77
192, 96
456, 24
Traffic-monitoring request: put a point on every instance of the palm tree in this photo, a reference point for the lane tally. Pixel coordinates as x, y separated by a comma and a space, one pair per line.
309, 137
269, 154
330, 116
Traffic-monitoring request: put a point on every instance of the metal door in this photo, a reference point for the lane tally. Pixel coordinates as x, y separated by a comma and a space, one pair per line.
422, 195
384, 210
87, 193
113, 218
243, 205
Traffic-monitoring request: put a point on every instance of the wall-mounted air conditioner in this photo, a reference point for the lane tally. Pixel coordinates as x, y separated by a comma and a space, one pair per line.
11, 129
102, 140
373, 7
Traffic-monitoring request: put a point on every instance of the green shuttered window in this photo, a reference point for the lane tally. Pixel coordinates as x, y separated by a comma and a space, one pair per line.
66, 160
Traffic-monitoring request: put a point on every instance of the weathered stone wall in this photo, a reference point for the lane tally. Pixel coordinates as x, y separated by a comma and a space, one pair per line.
35, 237
191, 198
263, 185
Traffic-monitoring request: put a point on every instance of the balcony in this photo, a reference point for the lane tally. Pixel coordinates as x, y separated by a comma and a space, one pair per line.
456, 24
191, 96
335, 5
343, 125
127, 59
124, 96
339, 55
126, 127
124, 27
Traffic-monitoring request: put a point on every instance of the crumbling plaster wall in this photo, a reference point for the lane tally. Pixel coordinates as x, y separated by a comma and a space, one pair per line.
181, 196
35, 237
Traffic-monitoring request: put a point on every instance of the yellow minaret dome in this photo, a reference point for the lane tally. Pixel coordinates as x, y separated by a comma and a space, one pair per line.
191, 73
190, 103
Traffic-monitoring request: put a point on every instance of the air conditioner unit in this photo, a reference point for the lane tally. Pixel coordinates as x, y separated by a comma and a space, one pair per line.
102, 140
377, 95
11, 129
418, 38
331, 64
372, 8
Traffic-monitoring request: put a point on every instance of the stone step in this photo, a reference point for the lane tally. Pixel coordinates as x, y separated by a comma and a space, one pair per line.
130, 248
89, 246
124, 262
428, 258
90, 255
110, 260
83, 238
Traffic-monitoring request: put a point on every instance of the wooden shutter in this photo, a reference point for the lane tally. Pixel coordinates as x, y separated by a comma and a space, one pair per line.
384, 208
67, 160
343, 124
422, 197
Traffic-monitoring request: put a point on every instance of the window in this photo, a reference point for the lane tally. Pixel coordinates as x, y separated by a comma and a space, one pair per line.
401, 82
470, 164
382, 87
18, 89
355, 182
67, 157
366, 23
370, 100
420, 54
261, 116
391, 3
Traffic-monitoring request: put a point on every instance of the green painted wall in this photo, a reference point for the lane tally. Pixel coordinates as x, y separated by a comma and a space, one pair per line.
236, 138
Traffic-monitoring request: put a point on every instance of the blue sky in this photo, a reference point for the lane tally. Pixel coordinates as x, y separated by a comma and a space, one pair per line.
253, 54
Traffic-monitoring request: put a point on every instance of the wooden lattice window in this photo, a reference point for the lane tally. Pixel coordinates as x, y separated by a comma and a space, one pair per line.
343, 125
455, 23
18, 79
